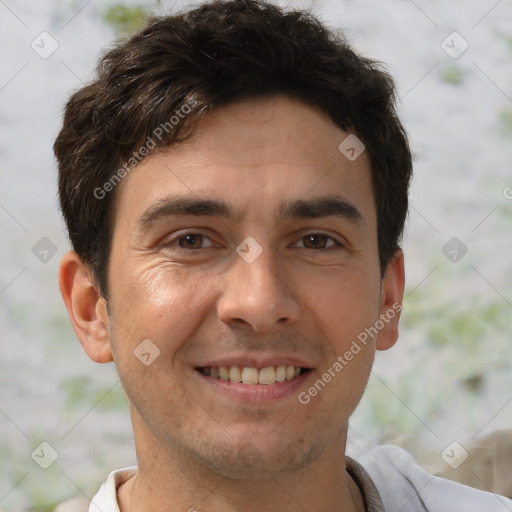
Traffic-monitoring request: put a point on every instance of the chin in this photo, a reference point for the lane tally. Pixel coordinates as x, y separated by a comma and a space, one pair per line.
247, 460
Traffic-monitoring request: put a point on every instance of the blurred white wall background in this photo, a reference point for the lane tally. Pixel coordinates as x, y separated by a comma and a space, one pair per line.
448, 379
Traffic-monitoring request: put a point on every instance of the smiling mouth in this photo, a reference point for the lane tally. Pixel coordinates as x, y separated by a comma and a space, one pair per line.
251, 375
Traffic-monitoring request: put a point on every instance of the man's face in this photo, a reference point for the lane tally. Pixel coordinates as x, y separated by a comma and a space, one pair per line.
252, 245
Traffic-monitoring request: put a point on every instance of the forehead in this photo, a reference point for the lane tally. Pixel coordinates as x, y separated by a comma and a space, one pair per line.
260, 152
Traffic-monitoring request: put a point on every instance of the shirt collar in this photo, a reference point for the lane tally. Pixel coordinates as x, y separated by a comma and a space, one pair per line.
371, 496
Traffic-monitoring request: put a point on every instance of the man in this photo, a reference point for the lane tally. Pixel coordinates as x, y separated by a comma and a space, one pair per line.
234, 184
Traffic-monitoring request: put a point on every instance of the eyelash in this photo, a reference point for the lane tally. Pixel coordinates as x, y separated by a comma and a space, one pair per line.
334, 242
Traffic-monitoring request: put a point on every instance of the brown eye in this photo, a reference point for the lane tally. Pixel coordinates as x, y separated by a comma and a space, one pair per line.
191, 241
315, 241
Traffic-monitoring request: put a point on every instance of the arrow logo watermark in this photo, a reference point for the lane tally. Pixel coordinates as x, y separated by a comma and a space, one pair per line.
454, 249
454, 455
352, 147
45, 45
45, 455
249, 454
454, 45
249, 250
146, 352
44, 250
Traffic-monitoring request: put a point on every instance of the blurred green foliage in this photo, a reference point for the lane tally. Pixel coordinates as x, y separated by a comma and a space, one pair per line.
81, 392
453, 75
505, 212
505, 122
460, 343
125, 19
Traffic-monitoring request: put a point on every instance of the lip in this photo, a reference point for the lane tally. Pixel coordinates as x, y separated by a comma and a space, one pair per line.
255, 393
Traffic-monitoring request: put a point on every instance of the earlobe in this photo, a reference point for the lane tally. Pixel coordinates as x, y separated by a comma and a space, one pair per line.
391, 301
86, 308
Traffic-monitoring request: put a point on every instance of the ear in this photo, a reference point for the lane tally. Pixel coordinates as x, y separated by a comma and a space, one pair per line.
391, 301
87, 309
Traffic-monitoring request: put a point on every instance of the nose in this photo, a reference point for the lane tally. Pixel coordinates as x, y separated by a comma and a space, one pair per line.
258, 295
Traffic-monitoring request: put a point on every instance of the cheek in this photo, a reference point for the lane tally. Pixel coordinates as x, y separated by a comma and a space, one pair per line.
344, 307
158, 303
345, 303
159, 291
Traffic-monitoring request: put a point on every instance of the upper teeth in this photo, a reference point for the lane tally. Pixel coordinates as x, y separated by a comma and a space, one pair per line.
249, 375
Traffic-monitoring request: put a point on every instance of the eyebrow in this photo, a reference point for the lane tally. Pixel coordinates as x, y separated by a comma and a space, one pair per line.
172, 206
329, 206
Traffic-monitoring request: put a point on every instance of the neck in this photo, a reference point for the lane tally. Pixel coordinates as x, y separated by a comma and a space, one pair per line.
171, 477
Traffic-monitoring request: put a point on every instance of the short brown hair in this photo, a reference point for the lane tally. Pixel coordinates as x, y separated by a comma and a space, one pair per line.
218, 53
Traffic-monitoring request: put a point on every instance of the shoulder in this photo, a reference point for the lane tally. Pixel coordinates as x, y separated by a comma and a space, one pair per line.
404, 486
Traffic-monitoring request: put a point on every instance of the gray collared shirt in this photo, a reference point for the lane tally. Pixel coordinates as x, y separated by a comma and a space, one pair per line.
371, 496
